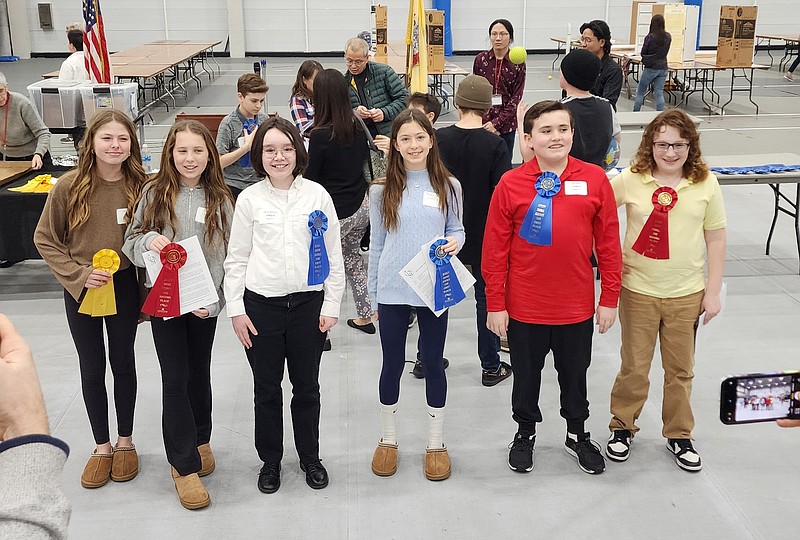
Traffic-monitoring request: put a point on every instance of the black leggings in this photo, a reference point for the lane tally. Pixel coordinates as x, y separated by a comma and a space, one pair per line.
87, 333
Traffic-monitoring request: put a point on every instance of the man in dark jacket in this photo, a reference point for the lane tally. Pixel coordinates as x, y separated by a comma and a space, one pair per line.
596, 38
376, 91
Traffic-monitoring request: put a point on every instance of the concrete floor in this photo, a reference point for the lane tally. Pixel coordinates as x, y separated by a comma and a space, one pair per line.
748, 488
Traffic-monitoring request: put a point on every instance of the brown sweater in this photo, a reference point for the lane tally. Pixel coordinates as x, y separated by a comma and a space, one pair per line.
69, 252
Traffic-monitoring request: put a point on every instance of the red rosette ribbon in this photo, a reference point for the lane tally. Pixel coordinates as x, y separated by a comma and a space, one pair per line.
164, 299
653, 240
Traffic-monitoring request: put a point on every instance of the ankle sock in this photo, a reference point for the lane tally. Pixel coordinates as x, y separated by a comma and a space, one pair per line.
435, 426
388, 423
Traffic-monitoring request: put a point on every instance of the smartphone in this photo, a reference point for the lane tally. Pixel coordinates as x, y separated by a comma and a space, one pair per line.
760, 397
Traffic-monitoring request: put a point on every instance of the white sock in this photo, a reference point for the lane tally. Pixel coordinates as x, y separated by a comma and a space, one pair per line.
435, 427
388, 423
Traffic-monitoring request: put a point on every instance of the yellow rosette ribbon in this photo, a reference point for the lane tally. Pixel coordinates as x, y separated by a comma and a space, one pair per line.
101, 301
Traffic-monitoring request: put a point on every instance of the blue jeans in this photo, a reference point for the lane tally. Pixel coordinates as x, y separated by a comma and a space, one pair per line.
488, 341
656, 77
509, 140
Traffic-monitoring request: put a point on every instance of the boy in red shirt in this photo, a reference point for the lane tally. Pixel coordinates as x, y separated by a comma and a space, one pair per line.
544, 219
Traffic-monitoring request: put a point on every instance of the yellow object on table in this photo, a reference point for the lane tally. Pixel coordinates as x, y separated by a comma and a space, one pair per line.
102, 301
42, 183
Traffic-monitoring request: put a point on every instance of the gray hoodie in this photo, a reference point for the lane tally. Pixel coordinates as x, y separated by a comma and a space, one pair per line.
187, 203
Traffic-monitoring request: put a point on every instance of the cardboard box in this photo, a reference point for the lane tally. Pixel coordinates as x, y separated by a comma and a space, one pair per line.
434, 23
736, 37
381, 37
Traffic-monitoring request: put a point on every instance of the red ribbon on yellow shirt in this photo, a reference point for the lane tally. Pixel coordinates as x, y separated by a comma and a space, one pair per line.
101, 301
653, 240
164, 299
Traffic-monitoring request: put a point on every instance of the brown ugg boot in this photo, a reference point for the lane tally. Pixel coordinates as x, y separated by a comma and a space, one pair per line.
125, 464
207, 460
97, 471
191, 492
384, 460
437, 464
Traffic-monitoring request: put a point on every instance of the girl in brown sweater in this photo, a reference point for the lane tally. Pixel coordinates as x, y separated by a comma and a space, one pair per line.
88, 211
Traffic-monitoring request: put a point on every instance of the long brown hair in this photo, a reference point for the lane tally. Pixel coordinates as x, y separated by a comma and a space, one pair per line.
395, 180
332, 106
166, 183
695, 169
306, 71
133, 175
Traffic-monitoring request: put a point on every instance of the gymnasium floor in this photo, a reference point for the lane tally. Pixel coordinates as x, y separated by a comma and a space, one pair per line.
748, 488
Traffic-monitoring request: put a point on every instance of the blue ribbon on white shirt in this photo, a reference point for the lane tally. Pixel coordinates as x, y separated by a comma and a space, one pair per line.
318, 265
250, 125
447, 290
537, 227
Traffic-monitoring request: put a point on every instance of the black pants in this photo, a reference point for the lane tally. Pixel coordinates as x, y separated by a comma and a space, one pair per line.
288, 330
183, 346
87, 333
572, 353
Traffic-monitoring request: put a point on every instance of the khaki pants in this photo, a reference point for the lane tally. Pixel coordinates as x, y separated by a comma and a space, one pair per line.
674, 321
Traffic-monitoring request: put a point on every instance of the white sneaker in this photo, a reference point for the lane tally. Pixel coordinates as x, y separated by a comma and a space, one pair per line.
686, 456
618, 447
788, 76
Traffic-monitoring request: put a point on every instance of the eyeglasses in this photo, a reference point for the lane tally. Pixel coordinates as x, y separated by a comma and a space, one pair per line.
678, 146
351, 62
272, 153
587, 39
498, 34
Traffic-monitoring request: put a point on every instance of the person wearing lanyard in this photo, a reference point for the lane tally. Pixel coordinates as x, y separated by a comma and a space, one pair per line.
507, 79
24, 137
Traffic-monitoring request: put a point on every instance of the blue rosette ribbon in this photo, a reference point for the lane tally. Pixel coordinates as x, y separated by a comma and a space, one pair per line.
537, 227
447, 290
250, 125
318, 265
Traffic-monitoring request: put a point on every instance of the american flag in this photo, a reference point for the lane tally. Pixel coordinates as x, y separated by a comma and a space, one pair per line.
95, 48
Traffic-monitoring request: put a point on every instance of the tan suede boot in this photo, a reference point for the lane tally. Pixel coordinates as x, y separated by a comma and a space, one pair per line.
97, 471
384, 460
191, 492
207, 460
437, 464
124, 464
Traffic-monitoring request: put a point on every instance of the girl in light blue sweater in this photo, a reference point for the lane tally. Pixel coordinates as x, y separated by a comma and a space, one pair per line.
416, 202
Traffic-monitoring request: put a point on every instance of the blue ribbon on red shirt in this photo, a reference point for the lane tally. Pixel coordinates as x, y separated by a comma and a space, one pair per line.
537, 227
447, 290
318, 265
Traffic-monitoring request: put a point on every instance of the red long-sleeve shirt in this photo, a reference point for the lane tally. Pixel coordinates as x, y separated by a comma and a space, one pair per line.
552, 284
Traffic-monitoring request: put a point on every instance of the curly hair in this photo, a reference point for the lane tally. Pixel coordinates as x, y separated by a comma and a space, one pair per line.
694, 169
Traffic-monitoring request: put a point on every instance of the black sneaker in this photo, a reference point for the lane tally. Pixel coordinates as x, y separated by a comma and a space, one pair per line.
520, 453
586, 451
686, 456
419, 374
491, 378
618, 447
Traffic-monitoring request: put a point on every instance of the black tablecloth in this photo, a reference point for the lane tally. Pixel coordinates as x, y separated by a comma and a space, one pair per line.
19, 214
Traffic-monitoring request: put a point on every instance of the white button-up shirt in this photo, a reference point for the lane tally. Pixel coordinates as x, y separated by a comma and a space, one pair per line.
269, 245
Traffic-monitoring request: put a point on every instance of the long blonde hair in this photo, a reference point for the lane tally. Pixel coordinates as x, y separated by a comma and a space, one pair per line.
133, 175
166, 183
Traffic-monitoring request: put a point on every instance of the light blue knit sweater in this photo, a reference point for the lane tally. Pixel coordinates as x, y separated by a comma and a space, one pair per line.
418, 223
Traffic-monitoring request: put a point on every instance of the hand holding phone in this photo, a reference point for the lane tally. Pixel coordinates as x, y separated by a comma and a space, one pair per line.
760, 397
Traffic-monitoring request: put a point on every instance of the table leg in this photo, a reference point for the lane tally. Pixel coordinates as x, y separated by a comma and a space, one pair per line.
558, 54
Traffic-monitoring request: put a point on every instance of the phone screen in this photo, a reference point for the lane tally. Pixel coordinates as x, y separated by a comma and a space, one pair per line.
761, 397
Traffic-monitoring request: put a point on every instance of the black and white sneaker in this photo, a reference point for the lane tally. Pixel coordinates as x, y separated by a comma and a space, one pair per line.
586, 451
520, 453
618, 447
412, 318
686, 456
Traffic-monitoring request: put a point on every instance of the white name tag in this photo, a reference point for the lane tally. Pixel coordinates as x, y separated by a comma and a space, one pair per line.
575, 187
240, 141
429, 198
497, 99
121, 215
200, 217
270, 217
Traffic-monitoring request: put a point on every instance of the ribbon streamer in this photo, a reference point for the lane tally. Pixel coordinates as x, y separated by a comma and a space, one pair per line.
102, 301
537, 227
653, 240
447, 290
164, 299
249, 125
318, 265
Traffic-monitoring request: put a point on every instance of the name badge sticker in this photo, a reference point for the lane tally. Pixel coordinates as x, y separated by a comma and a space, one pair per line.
200, 216
240, 141
429, 198
575, 187
497, 99
270, 217
121, 215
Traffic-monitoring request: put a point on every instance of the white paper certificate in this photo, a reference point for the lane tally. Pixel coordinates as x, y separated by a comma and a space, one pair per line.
420, 274
196, 286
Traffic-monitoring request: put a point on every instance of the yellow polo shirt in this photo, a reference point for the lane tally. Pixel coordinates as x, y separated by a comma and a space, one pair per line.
699, 208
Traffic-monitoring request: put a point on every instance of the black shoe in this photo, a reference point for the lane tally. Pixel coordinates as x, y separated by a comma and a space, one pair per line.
269, 479
7, 263
327, 345
491, 378
618, 447
520, 454
316, 475
368, 328
586, 451
419, 374
412, 318
686, 456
